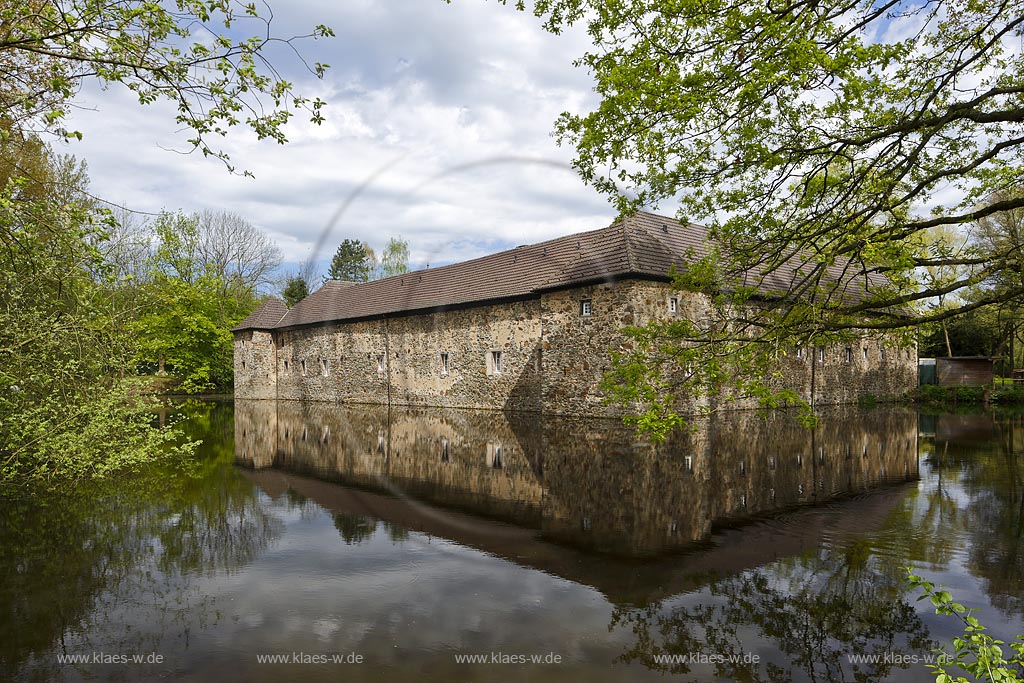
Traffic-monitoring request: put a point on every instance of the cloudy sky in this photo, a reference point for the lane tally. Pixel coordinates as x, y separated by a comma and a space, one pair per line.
447, 111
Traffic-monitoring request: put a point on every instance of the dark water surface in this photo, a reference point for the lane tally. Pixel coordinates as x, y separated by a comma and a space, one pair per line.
410, 539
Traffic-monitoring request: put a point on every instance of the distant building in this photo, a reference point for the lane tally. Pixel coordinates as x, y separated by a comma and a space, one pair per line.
968, 371
530, 328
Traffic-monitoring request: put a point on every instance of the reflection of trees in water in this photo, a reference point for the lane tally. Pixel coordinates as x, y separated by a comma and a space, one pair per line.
354, 528
816, 611
111, 566
994, 477
358, 528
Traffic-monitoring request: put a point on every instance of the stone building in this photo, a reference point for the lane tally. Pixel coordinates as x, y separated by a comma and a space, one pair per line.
530, 328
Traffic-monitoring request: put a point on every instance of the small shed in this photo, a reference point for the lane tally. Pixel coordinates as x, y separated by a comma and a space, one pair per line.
965, 371
926, 371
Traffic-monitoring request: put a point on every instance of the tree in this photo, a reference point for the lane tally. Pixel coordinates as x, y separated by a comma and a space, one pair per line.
199, 283
828, 136
352, 262
295, 290
395, 258
216, 78
235, 251
68, 408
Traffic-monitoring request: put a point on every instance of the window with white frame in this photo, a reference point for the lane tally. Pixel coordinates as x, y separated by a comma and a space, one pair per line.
586, 308
821, 354
495, 362
673, 305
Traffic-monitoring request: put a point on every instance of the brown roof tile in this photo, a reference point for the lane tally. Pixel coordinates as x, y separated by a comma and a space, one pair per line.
265, 317
643, 244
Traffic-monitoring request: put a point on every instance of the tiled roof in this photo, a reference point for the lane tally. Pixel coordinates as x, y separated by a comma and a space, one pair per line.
643, 244
265, 317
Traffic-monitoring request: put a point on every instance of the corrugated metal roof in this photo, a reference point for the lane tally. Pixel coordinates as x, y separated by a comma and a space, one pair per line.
265, 317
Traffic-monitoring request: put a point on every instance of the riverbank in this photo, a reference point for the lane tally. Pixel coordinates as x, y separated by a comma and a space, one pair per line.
1000, 394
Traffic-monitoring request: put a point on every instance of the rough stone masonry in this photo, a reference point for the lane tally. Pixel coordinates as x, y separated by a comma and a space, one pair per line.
530, 328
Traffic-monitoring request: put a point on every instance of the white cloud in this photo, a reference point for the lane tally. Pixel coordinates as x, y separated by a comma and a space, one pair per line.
460, 98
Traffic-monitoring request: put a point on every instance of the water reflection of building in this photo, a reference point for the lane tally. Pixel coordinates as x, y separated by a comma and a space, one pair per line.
585, 482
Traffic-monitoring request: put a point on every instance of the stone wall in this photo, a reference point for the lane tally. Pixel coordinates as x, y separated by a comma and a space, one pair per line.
255, 365
400, 359
544, 354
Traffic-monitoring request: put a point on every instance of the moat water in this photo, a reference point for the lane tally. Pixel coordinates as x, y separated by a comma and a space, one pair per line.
365, 544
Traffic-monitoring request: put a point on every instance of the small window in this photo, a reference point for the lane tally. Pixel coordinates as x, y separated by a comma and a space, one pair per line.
688, 460
495, 455
243, 365
882, 352
325, 366
586, 308
799, 352
849, 355
445, 450
673, 305
303, 367
286, 365
821, 354
494, 362
444, 363
380, 362
864, 351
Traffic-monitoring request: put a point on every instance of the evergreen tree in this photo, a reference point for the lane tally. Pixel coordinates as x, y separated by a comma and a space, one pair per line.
352, 262
295, 290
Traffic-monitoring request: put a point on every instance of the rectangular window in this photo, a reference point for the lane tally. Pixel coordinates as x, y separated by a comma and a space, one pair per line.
799, 352
303, 367
586, 308
865, 352
849, 355
494, 362
821, 354
882, 352
380, 362
673, 305
243, 365
286, 365
444, 363
325, 366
